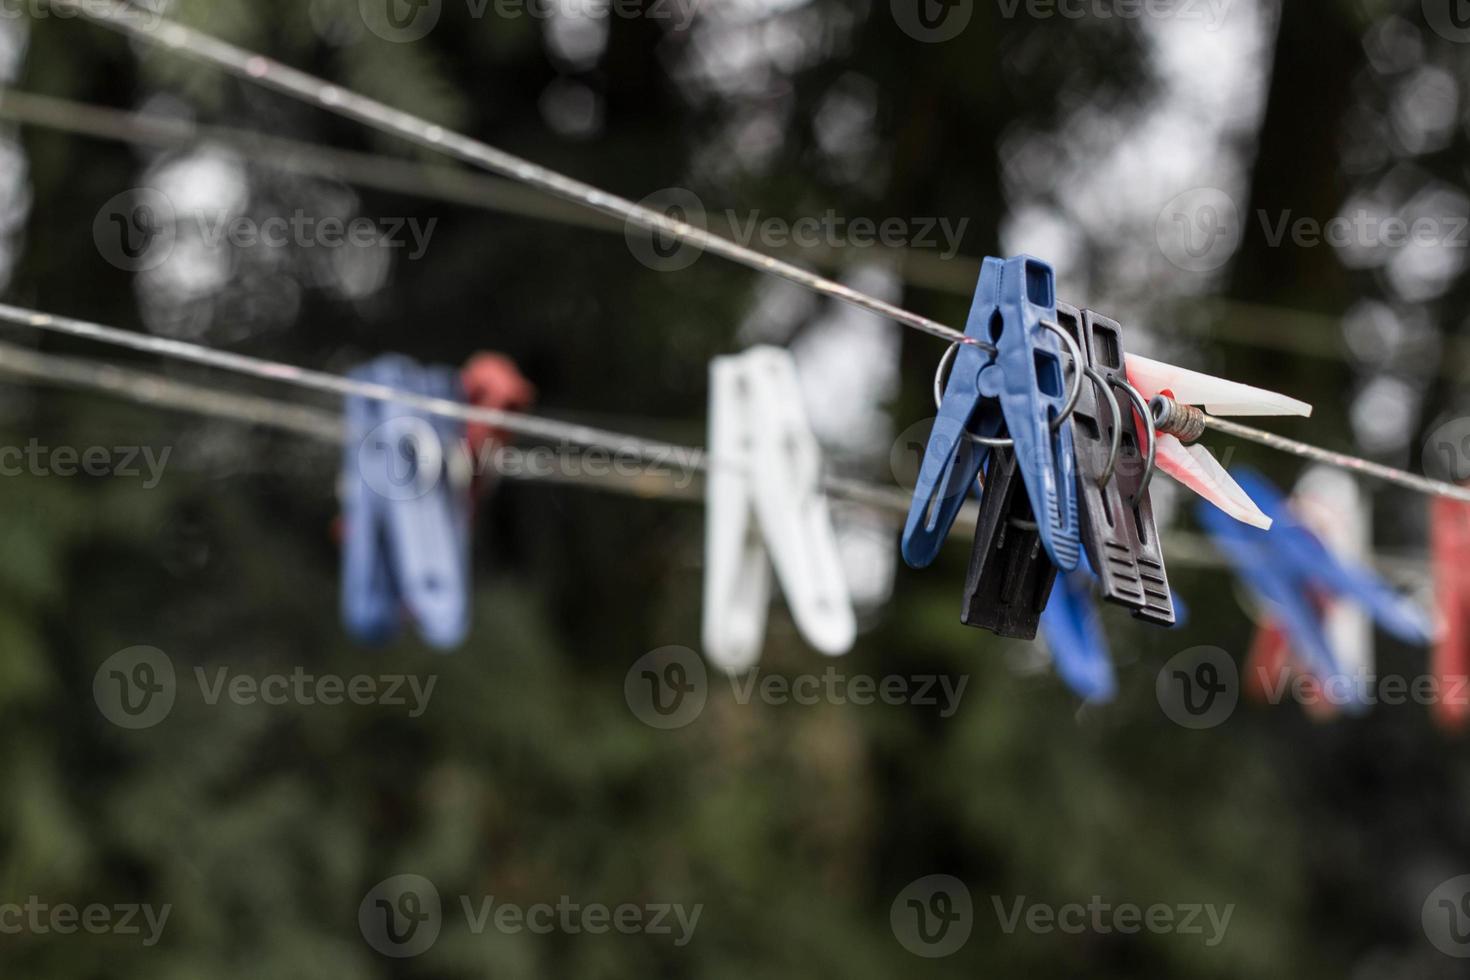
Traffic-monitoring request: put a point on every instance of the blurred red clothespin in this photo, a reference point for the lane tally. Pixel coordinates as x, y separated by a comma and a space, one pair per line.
493, 381
1450, 546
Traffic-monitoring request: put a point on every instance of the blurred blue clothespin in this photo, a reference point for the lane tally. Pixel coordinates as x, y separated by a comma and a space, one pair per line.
1074, 635
1290, 568
405, 492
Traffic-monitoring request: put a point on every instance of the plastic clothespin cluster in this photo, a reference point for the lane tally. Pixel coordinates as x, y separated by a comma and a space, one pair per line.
1066, 465
406, 500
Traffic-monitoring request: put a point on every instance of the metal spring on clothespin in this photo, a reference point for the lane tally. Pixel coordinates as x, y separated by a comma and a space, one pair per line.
1185, 422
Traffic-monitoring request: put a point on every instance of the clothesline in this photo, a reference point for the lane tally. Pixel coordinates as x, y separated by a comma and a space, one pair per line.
1251, 325
662, 455
263, 71
326, 426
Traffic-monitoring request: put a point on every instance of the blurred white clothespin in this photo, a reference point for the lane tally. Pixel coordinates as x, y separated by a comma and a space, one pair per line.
764, 507
1332, 505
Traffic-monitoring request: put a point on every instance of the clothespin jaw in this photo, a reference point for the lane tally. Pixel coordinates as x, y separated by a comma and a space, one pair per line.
1027, 377
1450, 549
766, 507
1171, 388
1010, 575
952, 459
1074, 635
1117, 521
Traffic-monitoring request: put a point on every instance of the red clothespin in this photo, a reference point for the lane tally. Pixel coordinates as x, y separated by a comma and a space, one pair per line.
1450, 546
493, 381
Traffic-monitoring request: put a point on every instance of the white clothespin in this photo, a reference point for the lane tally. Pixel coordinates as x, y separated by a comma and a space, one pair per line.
764, 507
1193, 465
1332, 506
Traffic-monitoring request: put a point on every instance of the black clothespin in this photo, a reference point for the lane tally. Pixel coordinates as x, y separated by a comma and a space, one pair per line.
1112, 474
1010, 575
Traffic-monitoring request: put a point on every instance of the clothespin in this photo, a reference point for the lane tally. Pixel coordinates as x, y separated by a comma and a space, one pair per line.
1289, 567
1010, 575
1074, 636
765, 506
1118, 529
1175, 395
493, 381
405, 510
1007, 389
1450, 546
1329, 504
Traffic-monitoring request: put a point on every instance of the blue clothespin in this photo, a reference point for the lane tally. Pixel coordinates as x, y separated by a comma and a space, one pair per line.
1287, 565
1074, 635
370, 609
1013, 386
406, 509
